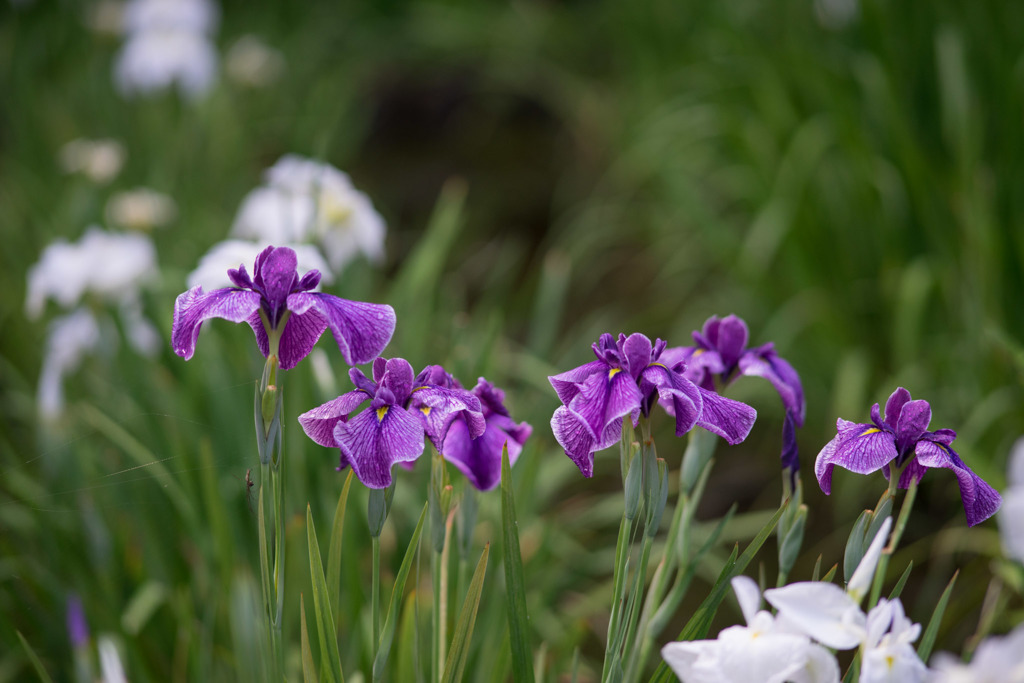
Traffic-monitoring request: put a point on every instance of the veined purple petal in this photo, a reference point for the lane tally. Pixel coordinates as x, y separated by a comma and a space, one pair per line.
492, 399
319, 422
790, 454
729, 338
439, 408
764, 362
678, 396
729, 419
636, 352
913, 422
480, 459
566, 384
276, 275
604, 398
943, 436
374, 440
397, 378
980, 500
361, 381
702, 365
861, 448
894, 406
301, 333
361, 330
191, 308
575, 439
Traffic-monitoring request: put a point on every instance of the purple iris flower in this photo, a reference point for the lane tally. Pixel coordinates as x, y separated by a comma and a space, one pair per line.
403, 409
628, 379
480, 458
285, 315
901, 442
721, 353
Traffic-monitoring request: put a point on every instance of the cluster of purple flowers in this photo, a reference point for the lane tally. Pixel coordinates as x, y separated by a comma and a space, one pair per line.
627, 378
470, 428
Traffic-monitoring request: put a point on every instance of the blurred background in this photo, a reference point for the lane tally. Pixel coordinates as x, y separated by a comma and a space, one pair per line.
844, 175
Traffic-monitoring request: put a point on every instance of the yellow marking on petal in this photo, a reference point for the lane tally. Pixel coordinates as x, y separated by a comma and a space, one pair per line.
425, 410
696, 352
872, 430
890, 661
381, 412
613, 372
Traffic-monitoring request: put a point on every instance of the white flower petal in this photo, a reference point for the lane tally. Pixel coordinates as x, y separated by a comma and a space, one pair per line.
862, 577
821, 610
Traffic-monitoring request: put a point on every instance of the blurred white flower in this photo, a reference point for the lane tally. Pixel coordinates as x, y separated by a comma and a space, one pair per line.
251, 62
212, 271
110, 661
167, 42
193, 16
766, 650
888, 651
98, 160
1011, 515
111, 266
140, 209
312, 202
997, 660
69, 338
156, 59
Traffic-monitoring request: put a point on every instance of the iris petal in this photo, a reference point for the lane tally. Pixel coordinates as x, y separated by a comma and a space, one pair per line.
191, 308
372, 444
980, 500
361, 330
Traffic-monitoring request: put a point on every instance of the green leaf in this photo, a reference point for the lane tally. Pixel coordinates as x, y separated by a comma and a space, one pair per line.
830, 574
898, 588
515, 586
334, 549
330, 659
36, 664
264, 560
388, 634
459, 651
308, 668
924, 649
855, 544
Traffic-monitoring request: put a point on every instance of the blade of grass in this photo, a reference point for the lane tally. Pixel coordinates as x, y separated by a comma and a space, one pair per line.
334, 549
515, 586
898, 588
32, 657
459, 651
924, 649
387, 635
330, 658
308, 668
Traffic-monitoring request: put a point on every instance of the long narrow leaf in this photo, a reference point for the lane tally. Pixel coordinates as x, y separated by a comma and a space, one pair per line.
36, 664
456, 661
308, 668
334, 549
898, 588
924, 649
515, 586
330, 658
388, 634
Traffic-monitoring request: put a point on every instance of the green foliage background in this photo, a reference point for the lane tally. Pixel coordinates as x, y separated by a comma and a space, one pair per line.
548, 171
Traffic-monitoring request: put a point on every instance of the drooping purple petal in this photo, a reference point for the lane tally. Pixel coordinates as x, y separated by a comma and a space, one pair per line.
764, 362
725, 417
790, 454
678, 396
894, 406
319, 422
438, 408
605, 397
361, 330
575, 439
861, 448
980, 500
191, 308
301, 333
566, 384
914, 417
373, 441
480, 459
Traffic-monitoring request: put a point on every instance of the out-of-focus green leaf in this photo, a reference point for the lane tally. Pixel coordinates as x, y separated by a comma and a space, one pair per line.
924, 648
515, 585
308, 668
330, 658
32, 657
459, 651
334, 549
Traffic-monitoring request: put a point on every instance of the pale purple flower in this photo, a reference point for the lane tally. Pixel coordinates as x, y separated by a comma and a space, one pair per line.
901, 442
403, 410
78, 628
480, 458
285, 315
720, 353
628, 379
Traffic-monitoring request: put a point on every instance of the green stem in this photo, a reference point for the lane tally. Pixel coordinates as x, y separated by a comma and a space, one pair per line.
621, 558
375, 593
435, 636
894, 538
